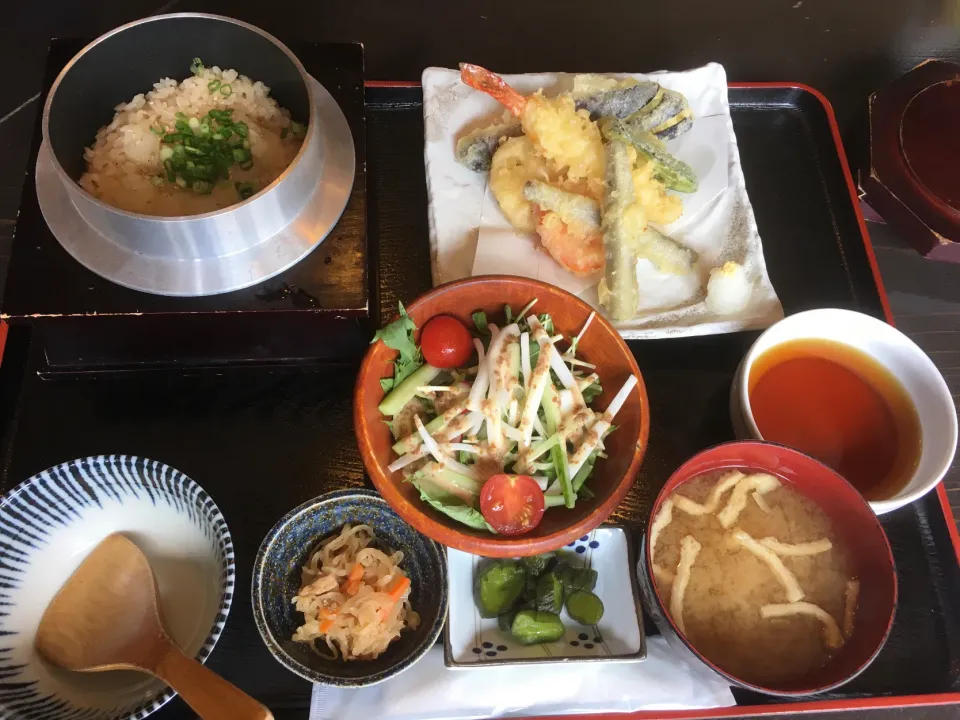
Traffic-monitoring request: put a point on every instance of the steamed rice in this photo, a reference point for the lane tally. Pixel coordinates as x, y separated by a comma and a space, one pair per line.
124, 168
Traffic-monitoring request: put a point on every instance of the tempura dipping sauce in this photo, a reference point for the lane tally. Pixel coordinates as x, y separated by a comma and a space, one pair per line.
841, 406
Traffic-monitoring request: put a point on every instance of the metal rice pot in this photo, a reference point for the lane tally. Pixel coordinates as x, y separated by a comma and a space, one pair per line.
215, 252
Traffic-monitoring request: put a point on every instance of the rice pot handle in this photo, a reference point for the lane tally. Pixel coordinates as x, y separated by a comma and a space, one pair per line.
210, 696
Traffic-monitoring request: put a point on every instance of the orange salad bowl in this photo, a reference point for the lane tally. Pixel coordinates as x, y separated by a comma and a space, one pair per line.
600, 345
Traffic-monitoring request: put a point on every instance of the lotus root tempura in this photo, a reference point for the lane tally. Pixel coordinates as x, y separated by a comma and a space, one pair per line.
765, 596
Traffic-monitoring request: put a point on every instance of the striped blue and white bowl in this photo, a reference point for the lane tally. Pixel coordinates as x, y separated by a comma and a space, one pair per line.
48, 525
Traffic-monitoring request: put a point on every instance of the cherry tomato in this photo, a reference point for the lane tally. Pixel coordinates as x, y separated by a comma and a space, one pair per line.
512, 504
446, 342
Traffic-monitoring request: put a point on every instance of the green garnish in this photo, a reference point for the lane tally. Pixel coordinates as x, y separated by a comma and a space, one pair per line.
298, 129
398, 335
156, 130
196, 67
245, 189
226, 90
213, 85
283, 133
202, 150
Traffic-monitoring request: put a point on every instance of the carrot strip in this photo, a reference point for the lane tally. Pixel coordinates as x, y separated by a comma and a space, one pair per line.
352, 584
396, 593
326, 624
399, 588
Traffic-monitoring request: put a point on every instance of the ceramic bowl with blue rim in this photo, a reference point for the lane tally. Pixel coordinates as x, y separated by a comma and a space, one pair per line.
51, 522
473, 641
277, 576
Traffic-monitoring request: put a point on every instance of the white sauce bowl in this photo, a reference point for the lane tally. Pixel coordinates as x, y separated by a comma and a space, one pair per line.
894, 351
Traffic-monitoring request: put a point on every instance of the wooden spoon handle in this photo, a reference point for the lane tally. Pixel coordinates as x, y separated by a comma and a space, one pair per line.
210, 696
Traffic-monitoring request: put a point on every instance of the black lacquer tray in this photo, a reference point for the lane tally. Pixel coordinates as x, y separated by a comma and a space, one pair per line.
264, 438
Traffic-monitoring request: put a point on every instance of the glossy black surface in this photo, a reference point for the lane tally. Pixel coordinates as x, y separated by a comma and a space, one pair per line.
263, 439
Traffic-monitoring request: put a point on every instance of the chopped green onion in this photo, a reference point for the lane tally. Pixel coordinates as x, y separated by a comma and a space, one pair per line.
203, 150
245, 189
156, 131
298, 129
226, 90
157, 180
283, 133
213, 85
196, 67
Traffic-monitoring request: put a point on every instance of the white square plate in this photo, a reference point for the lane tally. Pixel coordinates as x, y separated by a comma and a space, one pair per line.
470, 236
473, 641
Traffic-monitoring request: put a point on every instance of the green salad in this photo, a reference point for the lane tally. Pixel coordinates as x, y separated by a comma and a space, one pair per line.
494, 425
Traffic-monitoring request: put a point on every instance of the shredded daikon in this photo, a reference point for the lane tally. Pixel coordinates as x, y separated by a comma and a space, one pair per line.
428, 441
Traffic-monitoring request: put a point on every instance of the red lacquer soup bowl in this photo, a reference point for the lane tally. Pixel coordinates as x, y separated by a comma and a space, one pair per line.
854, 524
601, 345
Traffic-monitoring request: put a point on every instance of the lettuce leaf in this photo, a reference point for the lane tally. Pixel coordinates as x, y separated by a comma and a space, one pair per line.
398, 336
450, 505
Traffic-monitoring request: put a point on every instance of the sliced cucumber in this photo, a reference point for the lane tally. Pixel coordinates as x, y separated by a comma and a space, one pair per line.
404, 392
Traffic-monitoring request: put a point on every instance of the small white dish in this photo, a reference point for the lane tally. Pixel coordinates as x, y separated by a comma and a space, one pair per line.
471, 641
48, 526
900, 356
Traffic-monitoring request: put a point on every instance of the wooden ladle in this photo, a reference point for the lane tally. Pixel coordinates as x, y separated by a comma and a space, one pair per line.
105, 618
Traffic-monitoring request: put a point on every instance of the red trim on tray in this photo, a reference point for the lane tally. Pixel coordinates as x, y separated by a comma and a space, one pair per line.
777, 709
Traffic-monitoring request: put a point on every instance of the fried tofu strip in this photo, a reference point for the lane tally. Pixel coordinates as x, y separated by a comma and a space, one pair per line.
850, 606
797, 549
786, 578
831, 631
759, 482
663, 575
761, 503
689, 549
659, 524
723, 484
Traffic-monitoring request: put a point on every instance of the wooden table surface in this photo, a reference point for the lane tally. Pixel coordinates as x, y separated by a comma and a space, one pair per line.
846, 49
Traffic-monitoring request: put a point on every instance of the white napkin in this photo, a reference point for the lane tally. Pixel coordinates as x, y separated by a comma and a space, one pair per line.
470, 236
431, 691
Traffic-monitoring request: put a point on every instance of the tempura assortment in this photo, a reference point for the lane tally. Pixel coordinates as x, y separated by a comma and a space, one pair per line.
587, 171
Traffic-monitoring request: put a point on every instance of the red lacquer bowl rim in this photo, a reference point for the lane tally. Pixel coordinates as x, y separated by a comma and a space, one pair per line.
854, 497
447, 533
